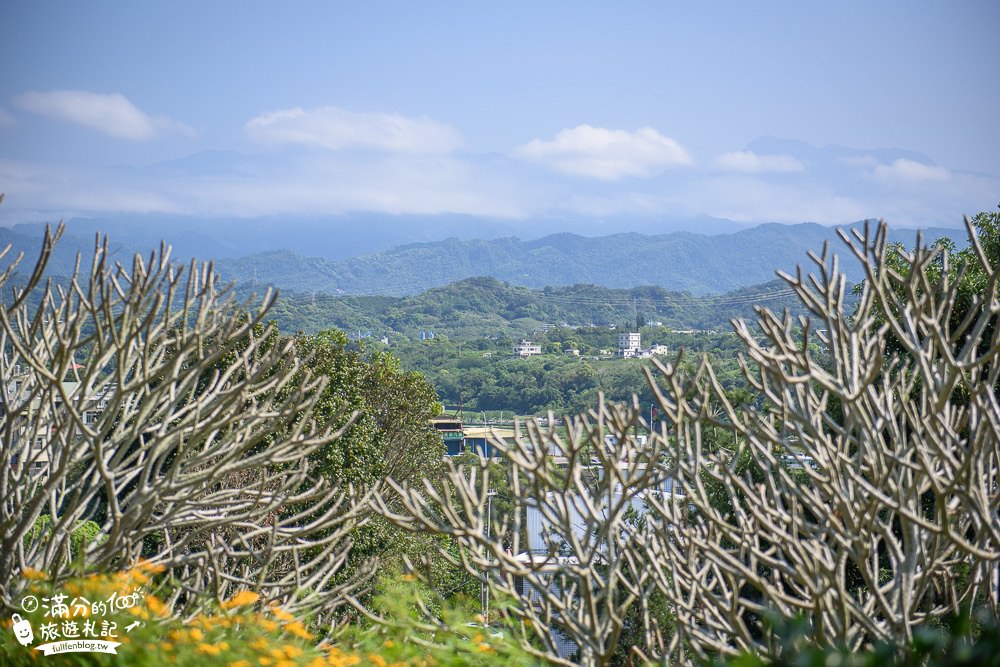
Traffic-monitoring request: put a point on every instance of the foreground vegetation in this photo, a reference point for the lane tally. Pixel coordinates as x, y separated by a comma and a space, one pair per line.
291, 487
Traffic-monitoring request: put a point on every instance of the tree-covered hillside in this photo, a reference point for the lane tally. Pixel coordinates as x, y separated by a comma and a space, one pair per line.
488, 307
484, 375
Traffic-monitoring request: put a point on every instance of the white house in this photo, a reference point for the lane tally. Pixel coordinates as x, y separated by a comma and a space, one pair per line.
527, 349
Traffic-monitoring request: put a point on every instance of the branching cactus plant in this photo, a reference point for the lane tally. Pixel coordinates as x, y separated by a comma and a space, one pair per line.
145, 415
861, 493
859, 490
567, 550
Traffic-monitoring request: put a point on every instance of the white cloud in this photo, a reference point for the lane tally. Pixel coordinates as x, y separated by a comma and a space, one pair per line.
609, 155
110, 113
753, 199
284, 184
337, 129
47, 192
751, 163
6, 118
908, 171
330, 182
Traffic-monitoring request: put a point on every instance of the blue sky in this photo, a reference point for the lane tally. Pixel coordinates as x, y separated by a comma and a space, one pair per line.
518, 111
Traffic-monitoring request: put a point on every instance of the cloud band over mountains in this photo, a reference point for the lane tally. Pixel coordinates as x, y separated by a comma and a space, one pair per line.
329, 160
337, 129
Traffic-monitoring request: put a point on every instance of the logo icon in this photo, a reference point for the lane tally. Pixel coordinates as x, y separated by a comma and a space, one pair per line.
22, 630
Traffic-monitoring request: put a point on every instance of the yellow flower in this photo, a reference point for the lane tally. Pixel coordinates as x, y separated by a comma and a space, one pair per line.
337, 658
377, 660
239, 663
298, 630
292, 651
268, 625
242, 598
210, 649
388, 643
167, 646
260, 644
282, 614
138, 577
486, 648
32, 573
154, 605
409, 577
264, 660
196, 634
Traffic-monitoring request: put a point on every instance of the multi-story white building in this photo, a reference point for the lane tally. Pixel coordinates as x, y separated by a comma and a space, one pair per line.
629, 344
527, 349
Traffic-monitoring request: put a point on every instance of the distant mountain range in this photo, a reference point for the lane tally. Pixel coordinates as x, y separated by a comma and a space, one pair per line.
678, 261
331, 236
681, 261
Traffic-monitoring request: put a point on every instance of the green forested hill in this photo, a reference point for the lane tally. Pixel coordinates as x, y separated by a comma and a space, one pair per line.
477, 321
479, 307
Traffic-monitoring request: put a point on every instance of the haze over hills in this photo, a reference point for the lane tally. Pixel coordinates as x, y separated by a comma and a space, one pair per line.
349, 234
680, 261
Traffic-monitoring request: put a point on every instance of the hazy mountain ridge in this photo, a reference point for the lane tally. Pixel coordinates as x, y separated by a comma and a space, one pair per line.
698, 263
681, 261
349, 234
